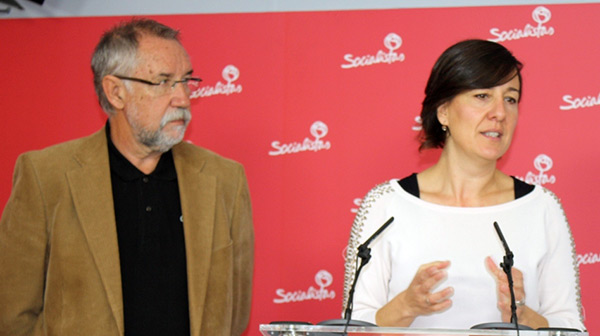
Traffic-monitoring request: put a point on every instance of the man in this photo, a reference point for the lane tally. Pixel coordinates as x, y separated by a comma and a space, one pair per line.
129, 231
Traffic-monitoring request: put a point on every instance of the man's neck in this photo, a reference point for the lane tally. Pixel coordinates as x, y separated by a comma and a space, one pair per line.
142, 157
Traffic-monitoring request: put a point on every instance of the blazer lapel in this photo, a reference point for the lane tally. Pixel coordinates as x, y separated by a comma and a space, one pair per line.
90, 186
198, 196
92, 194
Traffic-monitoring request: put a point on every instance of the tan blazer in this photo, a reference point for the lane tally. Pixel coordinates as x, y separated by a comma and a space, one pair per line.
59, 256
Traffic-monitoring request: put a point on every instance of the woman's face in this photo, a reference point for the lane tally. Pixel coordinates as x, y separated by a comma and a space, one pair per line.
481, 122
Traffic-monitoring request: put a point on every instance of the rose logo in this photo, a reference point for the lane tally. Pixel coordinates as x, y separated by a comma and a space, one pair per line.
543, 163
319, 129
231, 73
392, 41
323, 278
541, 15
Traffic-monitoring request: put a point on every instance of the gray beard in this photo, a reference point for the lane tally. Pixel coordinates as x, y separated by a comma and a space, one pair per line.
158, 140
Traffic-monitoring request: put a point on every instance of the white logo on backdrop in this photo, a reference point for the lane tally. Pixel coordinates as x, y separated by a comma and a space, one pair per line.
542, 163
418, 125
588, 258
392, 42
540, 15
582, 102
318, 131
230, 73
323, 279
357, 202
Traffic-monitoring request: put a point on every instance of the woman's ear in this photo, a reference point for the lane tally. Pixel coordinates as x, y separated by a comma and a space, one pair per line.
115, 91
442, 114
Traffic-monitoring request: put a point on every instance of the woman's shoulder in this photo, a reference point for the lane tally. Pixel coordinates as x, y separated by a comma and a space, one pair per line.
536, 193
390, 189
549, 198
521, 188
381, 202
541, 200
410, 184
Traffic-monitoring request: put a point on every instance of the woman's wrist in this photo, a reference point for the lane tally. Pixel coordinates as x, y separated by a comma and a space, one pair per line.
531, 318
395, 313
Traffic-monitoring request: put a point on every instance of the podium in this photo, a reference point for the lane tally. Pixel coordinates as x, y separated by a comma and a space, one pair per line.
319, 330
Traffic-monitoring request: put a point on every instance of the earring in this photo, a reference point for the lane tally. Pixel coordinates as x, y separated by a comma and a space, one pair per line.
444, 128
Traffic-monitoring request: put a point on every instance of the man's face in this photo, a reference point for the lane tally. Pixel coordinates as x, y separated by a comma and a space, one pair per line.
158, 118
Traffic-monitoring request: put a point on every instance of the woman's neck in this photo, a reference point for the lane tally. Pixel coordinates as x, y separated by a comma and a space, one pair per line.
459, 182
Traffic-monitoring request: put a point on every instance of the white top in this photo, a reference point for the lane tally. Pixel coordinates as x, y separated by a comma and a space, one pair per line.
534, 226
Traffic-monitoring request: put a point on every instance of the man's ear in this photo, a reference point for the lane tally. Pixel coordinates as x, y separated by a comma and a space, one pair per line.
115, 91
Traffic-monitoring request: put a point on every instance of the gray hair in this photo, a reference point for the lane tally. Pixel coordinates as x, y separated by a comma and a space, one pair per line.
116, 52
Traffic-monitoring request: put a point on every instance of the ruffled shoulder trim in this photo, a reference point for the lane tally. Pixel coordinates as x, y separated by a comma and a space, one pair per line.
356, 233
573, 249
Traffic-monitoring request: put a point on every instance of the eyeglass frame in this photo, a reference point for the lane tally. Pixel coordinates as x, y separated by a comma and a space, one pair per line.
175, 82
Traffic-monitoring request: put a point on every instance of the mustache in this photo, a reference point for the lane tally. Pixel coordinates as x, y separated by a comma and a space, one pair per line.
180, 113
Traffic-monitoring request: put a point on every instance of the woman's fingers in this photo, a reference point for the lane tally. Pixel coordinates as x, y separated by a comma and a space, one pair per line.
504, 296
428, 277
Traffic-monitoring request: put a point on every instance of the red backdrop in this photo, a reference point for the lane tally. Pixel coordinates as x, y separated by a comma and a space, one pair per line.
322, 106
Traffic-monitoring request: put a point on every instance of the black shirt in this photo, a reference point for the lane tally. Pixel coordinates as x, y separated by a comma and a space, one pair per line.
151, 246
410, 184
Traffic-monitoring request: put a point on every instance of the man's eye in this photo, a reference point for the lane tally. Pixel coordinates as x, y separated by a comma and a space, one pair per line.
163, 82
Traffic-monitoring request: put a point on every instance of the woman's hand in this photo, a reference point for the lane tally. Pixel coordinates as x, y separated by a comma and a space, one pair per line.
525, 315
418, 298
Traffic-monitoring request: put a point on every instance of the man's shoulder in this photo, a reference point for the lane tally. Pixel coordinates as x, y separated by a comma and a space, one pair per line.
202, 157
69, 154
52, 164
61, 150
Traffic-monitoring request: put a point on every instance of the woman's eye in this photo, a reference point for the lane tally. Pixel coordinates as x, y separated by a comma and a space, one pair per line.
511, 100
481, 95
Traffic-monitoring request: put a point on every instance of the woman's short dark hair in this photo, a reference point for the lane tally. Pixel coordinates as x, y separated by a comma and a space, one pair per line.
467, 65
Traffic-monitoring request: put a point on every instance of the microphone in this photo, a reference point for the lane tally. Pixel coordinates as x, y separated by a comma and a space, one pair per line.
364, 253
507, 264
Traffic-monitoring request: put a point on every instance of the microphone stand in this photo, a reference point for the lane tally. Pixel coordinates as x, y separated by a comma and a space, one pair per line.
508, 262
364, 253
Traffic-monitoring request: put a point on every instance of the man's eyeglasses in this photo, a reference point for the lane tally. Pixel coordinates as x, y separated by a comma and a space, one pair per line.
167, 86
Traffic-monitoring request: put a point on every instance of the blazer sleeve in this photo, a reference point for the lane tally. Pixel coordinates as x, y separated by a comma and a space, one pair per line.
243, 250
23, 252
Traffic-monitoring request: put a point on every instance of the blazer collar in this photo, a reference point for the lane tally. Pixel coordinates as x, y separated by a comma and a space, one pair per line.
91, 189
90, 186
198, 202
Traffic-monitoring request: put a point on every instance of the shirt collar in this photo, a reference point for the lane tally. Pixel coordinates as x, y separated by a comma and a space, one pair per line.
165, 169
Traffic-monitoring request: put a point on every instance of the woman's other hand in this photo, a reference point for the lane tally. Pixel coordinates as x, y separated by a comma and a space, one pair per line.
525, 315
419, 298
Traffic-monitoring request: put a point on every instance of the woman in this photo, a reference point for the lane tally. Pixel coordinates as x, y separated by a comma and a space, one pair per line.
436, 265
